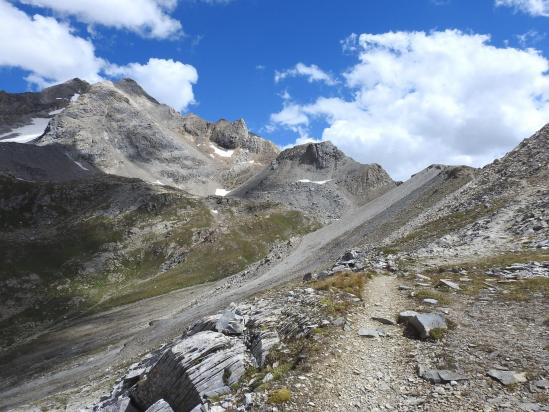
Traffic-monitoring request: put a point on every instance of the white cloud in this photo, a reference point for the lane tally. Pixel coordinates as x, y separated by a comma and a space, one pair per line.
313, 73
442, 97
168, 81
146, 17
532, 7
49, 50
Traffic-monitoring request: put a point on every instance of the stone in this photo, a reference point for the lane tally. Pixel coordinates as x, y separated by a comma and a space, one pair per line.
371, 333
424, 323
204, 364
122, 404
207, 323
507, 377
404, 287
230, 323
542, 383
406, 316
340, 322
248, 399
448, 283
307, 277
160, 406
385, 321
440, 375
430, 301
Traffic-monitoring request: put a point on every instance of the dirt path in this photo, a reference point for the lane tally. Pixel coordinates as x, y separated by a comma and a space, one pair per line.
366, 373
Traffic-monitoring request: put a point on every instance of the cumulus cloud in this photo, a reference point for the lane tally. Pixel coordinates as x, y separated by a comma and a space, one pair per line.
532, 7
422, 98
147, 17
46, 48
312, 73
51, 52
168, 81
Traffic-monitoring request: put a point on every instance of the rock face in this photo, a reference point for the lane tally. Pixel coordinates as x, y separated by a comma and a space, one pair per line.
319, 178
205, 364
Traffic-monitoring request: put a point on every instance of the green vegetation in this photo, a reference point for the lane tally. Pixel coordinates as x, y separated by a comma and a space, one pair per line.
280, 396
350, 282
437, 333
80, 247
447, 224
526, 289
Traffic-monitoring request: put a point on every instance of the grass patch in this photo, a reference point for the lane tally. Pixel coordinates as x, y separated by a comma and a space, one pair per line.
431, 294
350, 282
449, 223
437, 333
278, 396
526, 289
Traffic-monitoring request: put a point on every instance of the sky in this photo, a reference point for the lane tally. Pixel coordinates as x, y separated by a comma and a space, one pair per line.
402, 83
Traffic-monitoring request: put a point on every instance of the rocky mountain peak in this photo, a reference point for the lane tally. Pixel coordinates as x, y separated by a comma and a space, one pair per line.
320, 155
131, 87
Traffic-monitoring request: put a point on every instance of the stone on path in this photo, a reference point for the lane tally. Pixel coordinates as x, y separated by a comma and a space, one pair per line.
507, 377
370, 332
440, 375
383, 320
423, 323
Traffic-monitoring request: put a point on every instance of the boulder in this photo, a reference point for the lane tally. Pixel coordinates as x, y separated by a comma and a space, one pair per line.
203, 365
122, 404
507, 377
404, 317
207, 323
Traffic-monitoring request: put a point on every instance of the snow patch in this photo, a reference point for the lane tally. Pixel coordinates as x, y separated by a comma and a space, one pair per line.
75, 97
221, 152
27, 133
215, 212
54, 112
221, 192
316, 182
158, 182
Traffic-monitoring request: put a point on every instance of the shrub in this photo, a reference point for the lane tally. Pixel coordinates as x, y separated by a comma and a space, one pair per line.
280, 395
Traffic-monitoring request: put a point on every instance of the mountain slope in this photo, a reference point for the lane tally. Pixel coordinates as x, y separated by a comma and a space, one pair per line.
318, 178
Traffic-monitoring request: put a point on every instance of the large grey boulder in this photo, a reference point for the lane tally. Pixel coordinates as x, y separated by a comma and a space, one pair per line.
203, 365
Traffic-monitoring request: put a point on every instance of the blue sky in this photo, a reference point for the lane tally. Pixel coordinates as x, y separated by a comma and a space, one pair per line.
237, 46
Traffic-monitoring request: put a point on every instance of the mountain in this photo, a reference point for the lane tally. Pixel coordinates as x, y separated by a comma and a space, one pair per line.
122, 130
24, 116
317, 178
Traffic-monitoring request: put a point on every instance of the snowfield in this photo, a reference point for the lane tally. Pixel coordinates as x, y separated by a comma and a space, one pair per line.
316, 182
221, 192
221, 152
27, 133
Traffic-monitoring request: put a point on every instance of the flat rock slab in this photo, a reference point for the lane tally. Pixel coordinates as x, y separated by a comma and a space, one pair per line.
440, 375
383, 320
430, 301
507, 377
371, 333
448, 284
